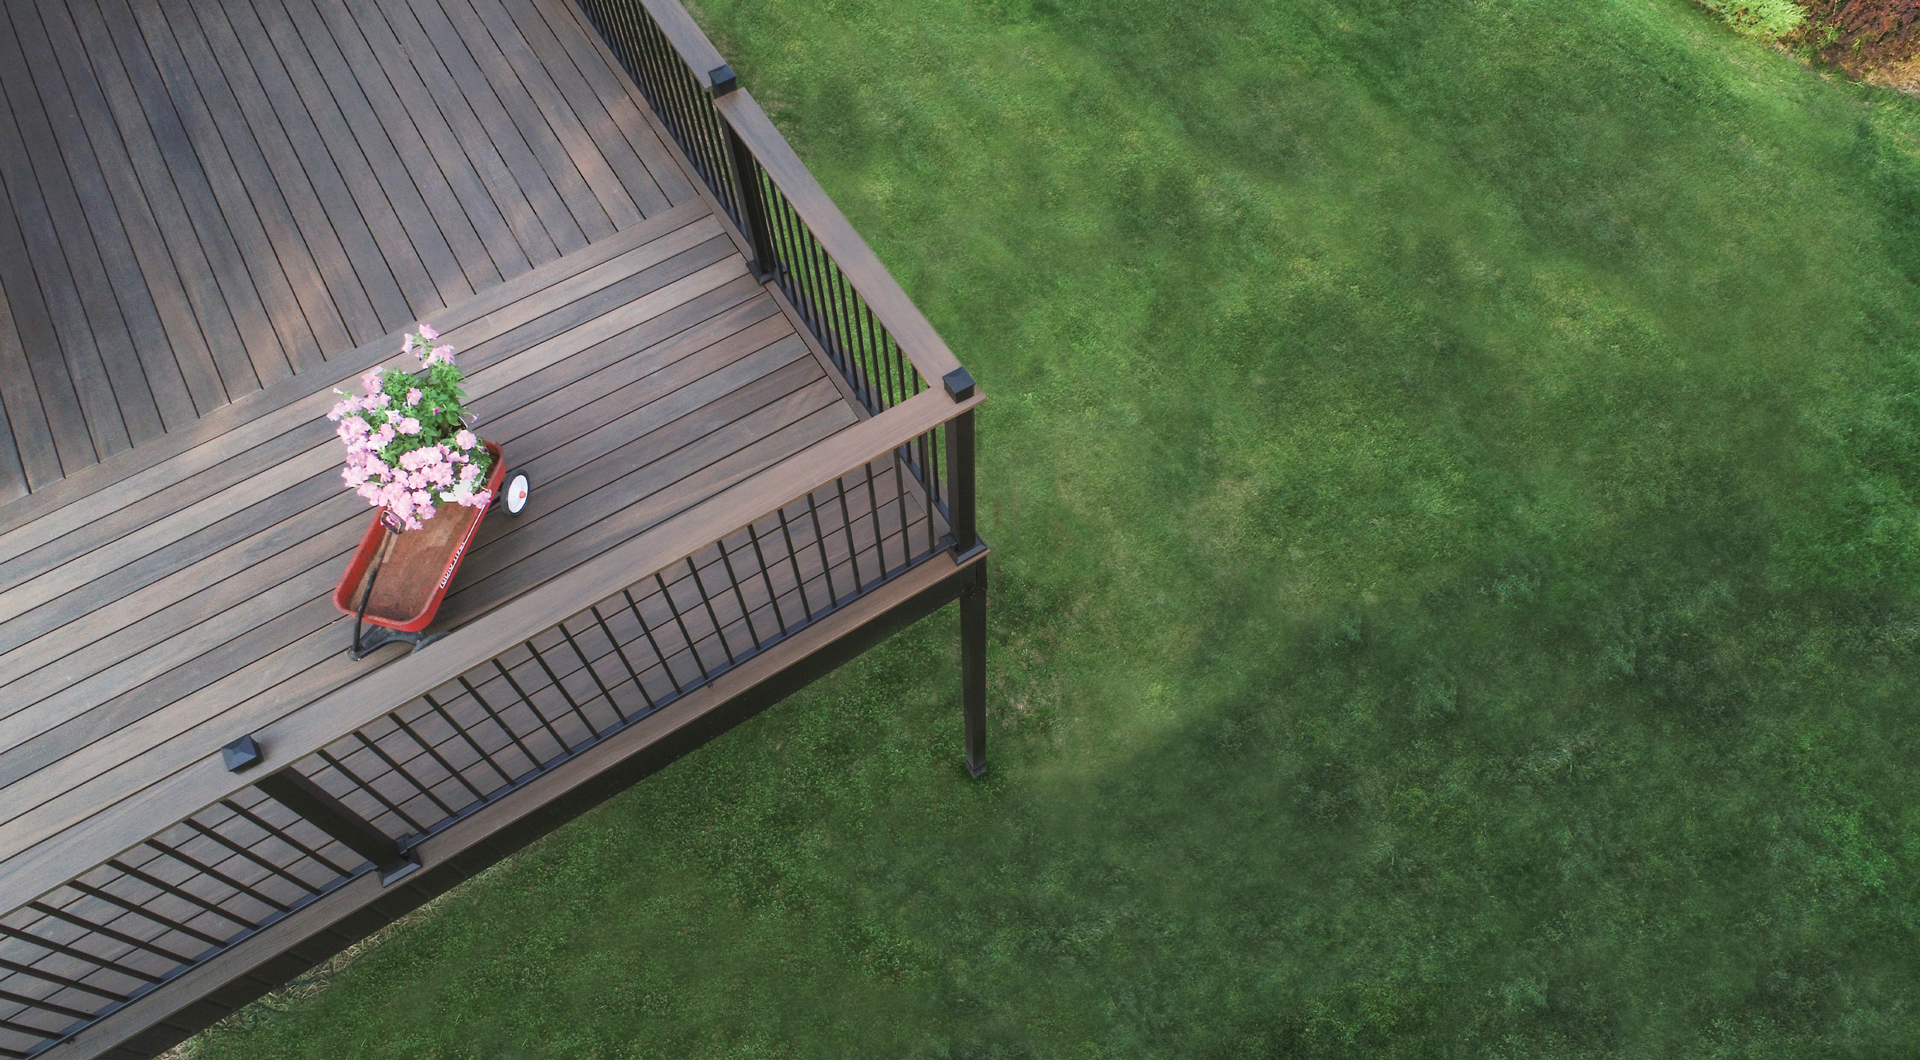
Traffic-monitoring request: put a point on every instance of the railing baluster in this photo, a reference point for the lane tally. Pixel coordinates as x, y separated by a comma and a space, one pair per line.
364, 785
282, 835
706, 599
79, 955
184, 895
873, 509
403, 773
622, 652
593, 732
69, 983
212, 873
567, 635
846, 525
880, 358
826, 564
527, 700
145, 913
692, 649
533, 761
657, 653
933, 542
21, 1028
468, 737
438, 758
811, 291
106, 932
793, 557
249, 855
45, 1006
746, 613
900, 500
773, 596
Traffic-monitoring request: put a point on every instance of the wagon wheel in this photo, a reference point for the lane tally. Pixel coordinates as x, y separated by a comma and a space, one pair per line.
514, 494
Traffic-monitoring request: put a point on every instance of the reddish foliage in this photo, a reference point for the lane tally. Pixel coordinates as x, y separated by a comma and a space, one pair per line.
1858, 35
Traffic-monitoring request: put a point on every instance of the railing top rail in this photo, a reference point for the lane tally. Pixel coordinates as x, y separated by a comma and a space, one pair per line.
687, 38
48, 849
909, 327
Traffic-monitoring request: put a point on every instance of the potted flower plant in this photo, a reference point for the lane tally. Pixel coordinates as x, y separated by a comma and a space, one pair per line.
408, 446
412, 454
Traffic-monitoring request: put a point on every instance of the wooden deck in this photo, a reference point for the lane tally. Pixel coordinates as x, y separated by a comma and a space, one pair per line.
216, 213
204, 198
631, 383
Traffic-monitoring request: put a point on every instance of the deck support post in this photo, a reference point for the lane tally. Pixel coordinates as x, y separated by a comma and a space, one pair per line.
292, 789
973, 666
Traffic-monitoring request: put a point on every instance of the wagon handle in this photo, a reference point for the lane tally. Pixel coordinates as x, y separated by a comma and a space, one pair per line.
379, 560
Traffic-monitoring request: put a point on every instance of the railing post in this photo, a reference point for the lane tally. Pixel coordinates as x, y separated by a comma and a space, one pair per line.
292, 789
960, 494
746, 172
961, 506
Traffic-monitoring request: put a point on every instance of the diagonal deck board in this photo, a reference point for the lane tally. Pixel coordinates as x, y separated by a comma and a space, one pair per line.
203, 199
176, 463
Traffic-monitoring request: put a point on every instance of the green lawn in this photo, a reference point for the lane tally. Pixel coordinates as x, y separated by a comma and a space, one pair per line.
1455, 487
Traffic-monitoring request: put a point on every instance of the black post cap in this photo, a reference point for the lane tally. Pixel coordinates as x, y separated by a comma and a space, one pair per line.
723, 80
959, 384
241, 754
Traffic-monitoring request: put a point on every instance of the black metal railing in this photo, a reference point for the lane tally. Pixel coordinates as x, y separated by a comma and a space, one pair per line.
677, 95
434, 761
866, 353
786, 250
361, 803
156, 910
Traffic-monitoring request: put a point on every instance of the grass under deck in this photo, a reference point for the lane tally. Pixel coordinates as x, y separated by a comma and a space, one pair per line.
1452, 472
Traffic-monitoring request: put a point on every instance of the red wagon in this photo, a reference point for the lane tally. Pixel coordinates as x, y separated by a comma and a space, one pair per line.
395, 581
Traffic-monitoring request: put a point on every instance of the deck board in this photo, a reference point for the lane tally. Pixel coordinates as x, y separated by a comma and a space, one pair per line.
27, 456
203, 199
632, 386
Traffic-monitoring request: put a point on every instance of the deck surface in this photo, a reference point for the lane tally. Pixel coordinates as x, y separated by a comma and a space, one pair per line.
201, 199
630, 381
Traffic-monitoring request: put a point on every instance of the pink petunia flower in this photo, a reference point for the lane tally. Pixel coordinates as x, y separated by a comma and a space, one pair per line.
465, 440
